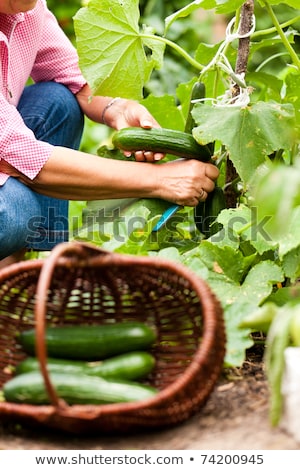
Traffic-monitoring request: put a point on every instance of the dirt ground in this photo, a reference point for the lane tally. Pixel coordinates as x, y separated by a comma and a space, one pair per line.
235, 417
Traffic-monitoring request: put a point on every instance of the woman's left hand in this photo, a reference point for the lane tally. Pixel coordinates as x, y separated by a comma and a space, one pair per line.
118, 113
129, 113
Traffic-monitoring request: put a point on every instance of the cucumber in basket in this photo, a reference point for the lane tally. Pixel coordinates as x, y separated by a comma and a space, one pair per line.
129, 366
29, 388
91, 342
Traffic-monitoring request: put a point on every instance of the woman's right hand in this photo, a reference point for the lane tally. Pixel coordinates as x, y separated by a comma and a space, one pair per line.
186, 182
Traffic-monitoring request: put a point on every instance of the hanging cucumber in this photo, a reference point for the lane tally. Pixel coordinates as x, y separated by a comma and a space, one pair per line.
198, 93
206, 213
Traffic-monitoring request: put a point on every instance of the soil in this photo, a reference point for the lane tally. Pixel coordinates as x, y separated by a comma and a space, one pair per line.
235, 417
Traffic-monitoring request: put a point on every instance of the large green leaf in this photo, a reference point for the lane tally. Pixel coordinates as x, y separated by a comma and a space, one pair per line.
240, 287
291, 265
241, 224
293, 93
255, 288
245, 298
226, 262
250, 133
165, 111
111, 50
238, 340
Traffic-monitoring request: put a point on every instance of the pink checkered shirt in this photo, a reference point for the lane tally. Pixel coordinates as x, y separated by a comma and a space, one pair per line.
31, 45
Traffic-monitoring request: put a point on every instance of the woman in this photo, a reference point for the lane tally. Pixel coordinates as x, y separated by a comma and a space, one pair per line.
41, 127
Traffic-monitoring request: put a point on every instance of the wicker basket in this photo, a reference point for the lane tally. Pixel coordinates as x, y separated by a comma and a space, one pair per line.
81, 284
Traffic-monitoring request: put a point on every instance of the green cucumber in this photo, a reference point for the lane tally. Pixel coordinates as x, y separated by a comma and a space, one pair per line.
161, 140
197, 93
91, 342
206, 212
129, 366
29, 388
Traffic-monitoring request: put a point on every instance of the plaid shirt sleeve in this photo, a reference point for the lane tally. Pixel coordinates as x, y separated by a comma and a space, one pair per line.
18, 145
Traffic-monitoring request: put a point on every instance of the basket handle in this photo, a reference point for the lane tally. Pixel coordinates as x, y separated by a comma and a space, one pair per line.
43, 285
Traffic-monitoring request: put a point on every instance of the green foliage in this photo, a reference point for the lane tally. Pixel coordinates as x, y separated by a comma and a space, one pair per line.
249, 133
276, 193
115, 26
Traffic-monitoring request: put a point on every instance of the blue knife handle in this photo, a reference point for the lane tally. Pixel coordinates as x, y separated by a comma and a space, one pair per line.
166, 216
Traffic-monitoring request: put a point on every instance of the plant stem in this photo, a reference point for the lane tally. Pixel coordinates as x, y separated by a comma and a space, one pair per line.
177, 48
244, 42
244, 23
265, 32
244, 228
292, 53
215, 83
265, 62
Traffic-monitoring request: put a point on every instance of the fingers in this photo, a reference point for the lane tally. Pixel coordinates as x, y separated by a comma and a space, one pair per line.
136, 115
211, 171
207, 184
208, 179
145, 156
146, 121
193, 201
133, 114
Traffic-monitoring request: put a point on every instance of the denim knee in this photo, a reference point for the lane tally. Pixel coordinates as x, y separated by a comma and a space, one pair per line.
20, 213
52, 112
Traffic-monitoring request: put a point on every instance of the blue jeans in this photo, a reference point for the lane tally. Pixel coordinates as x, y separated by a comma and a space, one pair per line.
28, 219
